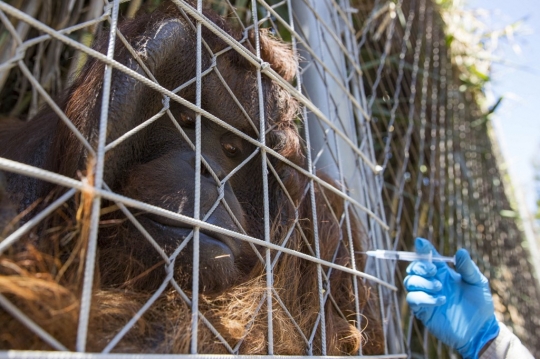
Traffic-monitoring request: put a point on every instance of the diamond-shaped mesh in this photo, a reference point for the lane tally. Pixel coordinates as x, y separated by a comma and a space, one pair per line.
195, 181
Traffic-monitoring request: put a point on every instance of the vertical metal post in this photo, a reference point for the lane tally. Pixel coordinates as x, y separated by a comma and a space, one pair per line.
197, 200
91, 251
264, 169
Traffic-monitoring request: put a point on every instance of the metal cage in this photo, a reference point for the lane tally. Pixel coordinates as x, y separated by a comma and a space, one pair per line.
193, 185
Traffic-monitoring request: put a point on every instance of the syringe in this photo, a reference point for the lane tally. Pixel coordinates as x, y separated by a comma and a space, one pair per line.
408, 256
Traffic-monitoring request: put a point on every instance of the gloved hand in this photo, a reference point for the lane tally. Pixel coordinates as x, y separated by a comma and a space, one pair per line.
456, 307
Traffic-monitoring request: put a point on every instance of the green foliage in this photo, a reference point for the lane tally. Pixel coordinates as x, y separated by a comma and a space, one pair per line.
472, 44
485, 117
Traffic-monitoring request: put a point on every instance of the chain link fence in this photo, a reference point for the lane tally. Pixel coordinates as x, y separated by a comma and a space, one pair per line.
191, 185
444, 177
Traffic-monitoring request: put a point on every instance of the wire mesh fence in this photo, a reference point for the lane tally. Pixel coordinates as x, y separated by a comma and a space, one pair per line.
206, 177
442, 173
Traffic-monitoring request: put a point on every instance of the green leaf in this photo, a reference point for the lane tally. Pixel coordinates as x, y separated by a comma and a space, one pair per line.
508, 213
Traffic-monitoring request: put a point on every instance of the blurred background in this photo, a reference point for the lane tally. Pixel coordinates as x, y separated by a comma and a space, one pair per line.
513, 28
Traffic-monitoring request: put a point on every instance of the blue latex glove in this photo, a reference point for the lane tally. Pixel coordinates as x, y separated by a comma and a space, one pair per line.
456, 306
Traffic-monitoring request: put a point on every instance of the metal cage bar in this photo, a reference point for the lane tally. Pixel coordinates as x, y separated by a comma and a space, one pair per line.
384, 125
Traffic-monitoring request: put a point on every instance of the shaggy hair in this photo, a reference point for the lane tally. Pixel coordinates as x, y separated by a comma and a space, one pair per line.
42, 274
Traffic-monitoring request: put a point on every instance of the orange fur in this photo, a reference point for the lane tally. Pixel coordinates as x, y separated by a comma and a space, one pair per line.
42, 274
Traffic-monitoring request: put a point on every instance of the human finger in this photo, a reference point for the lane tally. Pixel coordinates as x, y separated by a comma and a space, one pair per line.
468, 269
418, 283
423, 246
422, 268
417, 299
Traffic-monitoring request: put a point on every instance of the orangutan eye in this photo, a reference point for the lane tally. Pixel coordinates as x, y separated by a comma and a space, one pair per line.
229, 148
187, 120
